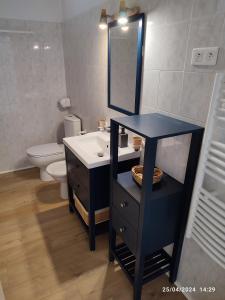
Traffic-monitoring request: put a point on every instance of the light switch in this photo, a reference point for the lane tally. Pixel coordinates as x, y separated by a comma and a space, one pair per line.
204, 56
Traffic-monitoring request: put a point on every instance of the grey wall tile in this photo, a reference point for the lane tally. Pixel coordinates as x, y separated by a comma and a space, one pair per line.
204, 8
165, 155
170, 87
157, 10
150, 88
197, 90
161, 52
179, 10
207, 32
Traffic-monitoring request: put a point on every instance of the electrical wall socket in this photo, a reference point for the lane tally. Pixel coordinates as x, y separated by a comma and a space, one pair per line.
211, 55
197, 56
204, 56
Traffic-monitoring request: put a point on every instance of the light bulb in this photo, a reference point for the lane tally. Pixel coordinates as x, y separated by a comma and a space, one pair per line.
125, 28
102, 26
36, 47
103, 20
122, 20
47, 47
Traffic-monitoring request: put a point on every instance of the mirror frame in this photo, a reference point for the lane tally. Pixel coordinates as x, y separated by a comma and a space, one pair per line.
140, 41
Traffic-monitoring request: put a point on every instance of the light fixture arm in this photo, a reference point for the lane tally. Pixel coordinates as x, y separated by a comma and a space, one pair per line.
122, 16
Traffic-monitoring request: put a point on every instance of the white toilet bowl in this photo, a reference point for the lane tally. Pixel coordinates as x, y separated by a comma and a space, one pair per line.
57, 170
43, 155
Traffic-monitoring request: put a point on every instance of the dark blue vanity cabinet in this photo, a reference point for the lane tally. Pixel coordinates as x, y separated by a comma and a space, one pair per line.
148, 219
92, 188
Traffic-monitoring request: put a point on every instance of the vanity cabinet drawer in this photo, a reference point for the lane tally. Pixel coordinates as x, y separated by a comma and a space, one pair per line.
78, 177
125, 230
125, 205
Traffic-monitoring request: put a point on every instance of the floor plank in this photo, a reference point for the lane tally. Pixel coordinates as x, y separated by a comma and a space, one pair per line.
44, 251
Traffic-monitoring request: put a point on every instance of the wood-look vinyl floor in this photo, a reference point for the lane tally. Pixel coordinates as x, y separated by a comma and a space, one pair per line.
44, 251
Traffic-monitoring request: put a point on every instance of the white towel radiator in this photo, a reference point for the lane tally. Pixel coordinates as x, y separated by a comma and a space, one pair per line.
206, 223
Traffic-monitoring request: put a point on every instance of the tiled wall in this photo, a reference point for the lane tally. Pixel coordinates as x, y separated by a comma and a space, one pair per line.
170, 85
85, 50
174, 28
31, 83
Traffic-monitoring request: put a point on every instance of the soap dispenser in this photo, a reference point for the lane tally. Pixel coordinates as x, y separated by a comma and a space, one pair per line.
123, 138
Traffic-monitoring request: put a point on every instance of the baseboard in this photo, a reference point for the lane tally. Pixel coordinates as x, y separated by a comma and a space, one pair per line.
14, 170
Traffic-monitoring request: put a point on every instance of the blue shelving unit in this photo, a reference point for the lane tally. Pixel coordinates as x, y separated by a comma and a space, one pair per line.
150, 219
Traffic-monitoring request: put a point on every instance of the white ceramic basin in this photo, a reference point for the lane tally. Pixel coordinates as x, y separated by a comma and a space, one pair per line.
87, 147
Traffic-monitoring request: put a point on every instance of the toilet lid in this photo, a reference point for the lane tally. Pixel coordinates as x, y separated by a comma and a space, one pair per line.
57, 169
46, 150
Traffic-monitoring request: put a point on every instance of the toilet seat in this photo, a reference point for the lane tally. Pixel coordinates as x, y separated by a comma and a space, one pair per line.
57, 169
46, 150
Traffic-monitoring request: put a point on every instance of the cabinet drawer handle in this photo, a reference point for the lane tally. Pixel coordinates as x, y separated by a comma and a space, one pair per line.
122, 229
123, 204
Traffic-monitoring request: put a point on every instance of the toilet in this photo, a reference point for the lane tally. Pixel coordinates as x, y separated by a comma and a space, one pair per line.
57, 170
43, 155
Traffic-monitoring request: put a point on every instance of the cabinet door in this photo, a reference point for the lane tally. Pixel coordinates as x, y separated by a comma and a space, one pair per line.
125, 205
127, 232
78, 177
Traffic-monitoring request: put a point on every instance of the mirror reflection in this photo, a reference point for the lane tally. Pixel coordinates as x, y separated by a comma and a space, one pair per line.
125, 67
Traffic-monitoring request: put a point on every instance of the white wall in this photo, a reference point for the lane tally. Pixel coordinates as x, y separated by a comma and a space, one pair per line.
72, 8
35, 10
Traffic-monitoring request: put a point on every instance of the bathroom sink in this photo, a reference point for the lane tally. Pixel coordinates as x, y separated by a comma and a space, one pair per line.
88, 147
94, 143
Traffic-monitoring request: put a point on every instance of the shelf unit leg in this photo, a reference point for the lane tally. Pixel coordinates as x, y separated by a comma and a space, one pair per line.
138, 281
192, 164
149, 163
112, 244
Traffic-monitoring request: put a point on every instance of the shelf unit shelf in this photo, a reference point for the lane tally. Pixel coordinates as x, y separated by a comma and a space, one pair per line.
157, 126
168, 186
155, 264
149, 218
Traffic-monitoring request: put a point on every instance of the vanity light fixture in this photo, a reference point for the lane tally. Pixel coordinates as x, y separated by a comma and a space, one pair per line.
123, 17
103, 24
126, 12
103, 20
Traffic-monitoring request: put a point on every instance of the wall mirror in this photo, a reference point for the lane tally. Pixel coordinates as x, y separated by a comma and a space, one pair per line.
125, 64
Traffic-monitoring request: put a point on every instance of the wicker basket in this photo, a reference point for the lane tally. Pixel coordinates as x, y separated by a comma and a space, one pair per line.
137, 173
